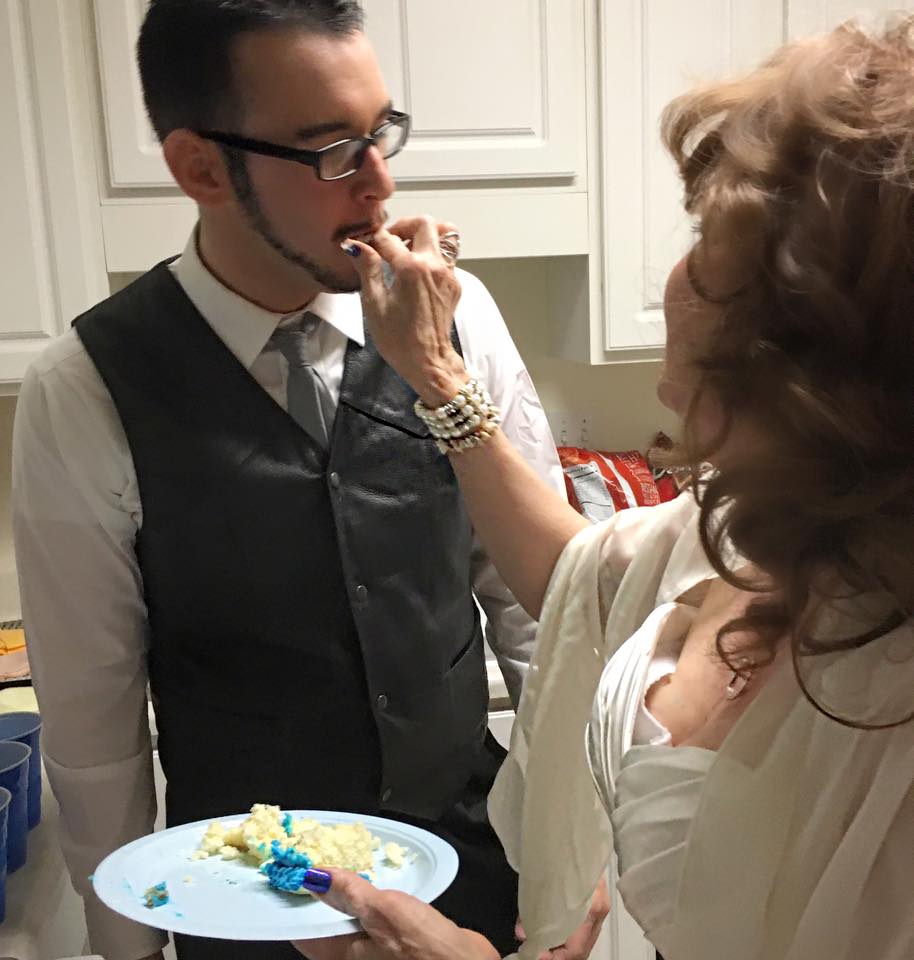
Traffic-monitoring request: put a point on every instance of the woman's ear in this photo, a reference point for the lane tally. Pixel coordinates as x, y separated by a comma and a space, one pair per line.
199, 168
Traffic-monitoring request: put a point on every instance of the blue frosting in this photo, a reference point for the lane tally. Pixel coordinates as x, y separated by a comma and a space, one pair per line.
157, 896
287, 857
284, 878
286, 871
287, 824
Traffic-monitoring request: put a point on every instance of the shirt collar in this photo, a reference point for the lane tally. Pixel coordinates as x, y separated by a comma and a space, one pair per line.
245, 327
342, 311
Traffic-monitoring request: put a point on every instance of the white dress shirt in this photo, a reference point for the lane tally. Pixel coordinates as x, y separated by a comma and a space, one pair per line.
76, 513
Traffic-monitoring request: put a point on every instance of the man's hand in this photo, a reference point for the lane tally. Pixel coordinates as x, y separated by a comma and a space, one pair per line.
395, 926
580, 944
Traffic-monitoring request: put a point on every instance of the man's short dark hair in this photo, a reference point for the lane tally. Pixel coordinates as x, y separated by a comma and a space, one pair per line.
185, 52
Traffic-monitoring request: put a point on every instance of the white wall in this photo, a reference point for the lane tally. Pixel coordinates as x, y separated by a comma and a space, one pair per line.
618, 400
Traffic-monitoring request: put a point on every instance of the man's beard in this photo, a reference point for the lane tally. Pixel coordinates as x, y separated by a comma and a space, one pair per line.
247, 197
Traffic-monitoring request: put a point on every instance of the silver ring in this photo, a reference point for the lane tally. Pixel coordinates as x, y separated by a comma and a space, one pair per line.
449, 245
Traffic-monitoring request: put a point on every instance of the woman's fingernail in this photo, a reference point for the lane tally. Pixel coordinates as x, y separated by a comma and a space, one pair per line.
316, 881
350, 249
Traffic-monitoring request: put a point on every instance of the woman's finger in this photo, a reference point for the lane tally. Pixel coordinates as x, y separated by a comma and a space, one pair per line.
370, 267
422, 232
425, 239
405, 228
391, 248
447, 227
349, 893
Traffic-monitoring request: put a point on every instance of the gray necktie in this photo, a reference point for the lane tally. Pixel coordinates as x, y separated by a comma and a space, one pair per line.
309, 402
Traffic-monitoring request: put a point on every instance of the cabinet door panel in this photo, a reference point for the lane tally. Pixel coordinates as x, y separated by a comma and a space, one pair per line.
24, 240
495, 91
52, 266
652, 51
814, 16
134, 156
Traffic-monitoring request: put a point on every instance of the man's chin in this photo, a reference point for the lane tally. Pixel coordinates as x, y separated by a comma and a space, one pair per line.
335, 281
339, 285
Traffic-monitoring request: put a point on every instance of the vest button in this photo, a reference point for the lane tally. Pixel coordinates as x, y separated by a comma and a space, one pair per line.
385, 796
382, 702
335, 480
361, 593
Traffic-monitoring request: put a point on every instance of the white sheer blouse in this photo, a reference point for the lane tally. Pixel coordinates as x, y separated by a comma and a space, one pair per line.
649, 789
793, 842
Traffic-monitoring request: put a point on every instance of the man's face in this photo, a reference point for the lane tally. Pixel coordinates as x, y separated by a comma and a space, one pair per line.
308, 91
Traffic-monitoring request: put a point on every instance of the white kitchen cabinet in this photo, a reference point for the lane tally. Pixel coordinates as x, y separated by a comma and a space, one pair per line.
495, 93
648, 52
499, 144
653, 50
52, 265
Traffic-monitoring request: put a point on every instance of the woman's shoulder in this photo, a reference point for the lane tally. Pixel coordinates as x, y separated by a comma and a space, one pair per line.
627, 532
869, 685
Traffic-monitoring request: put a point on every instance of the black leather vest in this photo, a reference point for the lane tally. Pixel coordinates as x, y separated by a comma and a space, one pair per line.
313, 637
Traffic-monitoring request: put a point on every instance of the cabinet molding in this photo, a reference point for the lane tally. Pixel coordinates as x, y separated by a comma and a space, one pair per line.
497, 223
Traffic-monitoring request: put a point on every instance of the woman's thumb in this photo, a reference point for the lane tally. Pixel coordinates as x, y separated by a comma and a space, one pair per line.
348, 893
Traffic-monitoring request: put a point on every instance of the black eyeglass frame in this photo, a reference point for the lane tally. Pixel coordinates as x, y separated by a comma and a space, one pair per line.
312, 158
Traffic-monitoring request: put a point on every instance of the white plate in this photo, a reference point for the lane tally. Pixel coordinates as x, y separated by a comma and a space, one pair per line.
232, 901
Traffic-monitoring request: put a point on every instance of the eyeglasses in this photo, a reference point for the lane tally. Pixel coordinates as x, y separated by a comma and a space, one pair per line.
333, 162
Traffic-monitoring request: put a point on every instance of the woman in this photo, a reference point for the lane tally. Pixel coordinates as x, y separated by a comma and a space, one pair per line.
750, 737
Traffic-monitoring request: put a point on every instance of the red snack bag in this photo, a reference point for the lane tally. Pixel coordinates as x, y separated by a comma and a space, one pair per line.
599, 483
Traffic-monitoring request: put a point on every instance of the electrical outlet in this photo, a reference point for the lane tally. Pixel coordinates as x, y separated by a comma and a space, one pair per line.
558, 424
570, 428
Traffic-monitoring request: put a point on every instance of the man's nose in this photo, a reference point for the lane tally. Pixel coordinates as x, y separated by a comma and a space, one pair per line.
373, 182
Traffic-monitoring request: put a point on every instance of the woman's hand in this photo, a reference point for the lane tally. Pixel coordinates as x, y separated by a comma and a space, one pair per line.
410, 321
395, 926
580, 944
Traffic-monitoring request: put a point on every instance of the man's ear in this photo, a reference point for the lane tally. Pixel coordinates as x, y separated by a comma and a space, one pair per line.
199, 168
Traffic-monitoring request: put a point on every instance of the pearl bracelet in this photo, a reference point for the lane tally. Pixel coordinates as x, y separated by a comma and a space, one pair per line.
466, 421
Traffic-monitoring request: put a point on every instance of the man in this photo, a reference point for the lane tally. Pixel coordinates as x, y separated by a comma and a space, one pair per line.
217, 477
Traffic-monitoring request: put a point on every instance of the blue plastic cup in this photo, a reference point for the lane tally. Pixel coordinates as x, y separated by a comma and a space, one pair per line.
14, 775
25, 728
5, 798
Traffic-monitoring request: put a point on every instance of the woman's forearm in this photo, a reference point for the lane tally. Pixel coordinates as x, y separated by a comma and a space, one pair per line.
522, 522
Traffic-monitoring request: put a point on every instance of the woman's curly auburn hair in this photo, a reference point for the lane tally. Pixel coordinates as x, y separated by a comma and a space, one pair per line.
802, 173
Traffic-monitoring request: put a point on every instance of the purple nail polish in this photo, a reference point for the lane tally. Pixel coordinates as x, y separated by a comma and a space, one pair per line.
350, 249
316, 881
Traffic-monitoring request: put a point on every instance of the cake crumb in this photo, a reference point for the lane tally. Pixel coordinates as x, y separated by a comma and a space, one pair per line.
394, 854
157, 896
